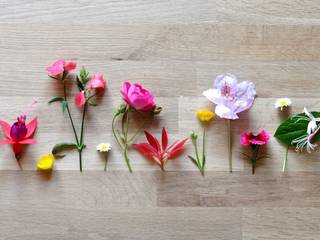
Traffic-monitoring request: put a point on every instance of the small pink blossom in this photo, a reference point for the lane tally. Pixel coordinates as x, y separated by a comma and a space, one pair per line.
80, 99
137, 97
61, 66
248, 138
97, 82
230, 96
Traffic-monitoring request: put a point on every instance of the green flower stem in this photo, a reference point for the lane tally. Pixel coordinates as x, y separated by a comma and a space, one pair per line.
203, 150
68, 110
82, 135
230, 145
285, 161
125, 128
114, 131
195, 144
255, 150
105, 164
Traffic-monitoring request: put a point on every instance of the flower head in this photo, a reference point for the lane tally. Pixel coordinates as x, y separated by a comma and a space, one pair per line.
137, 97
60, 66
160, 153
248, 138
80, 99
282, 103
46, 162
19, 133
97, 82
104, 147
205, 115
230, 96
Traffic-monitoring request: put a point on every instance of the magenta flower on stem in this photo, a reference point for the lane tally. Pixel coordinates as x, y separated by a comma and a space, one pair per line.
61, 66
255, 142
19, 134
231, 98
136, 99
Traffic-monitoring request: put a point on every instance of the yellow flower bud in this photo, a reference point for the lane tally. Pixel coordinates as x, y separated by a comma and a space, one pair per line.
205, 115
46, 162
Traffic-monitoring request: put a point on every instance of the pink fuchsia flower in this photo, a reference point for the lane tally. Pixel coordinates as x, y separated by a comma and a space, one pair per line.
248, 138
137, 97
61, 66
80, 99
230, 96
97, 82
19, 133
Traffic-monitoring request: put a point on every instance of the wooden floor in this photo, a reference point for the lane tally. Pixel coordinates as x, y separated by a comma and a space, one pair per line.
175, 48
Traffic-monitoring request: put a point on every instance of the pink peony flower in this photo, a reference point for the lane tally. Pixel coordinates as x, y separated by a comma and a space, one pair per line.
80, 99
248, 138
137, 97
230, 96
61, 66
97, 82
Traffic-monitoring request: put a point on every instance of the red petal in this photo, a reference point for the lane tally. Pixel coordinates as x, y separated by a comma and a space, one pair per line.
146, 149
176, 148
28, 141
6, 128
5, 142
164, 139
31, 127
153, 141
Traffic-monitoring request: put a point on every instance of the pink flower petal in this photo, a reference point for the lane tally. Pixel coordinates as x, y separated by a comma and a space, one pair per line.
28, 141
32, 126
80, 99
69, 66
57, 67
6, 128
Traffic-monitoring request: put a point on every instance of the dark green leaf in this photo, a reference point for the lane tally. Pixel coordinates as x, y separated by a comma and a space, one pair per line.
53, 77
293, 128
62, 146
193, 160
56, 99
84, 76
80, 84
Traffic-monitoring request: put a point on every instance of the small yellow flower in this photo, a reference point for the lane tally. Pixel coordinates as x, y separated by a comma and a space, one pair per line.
282, 103
46, 162
205, 115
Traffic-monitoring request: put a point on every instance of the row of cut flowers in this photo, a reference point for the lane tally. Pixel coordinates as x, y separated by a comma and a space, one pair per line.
301, 131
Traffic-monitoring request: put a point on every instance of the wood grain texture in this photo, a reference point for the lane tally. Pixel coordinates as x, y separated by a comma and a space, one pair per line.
174, 48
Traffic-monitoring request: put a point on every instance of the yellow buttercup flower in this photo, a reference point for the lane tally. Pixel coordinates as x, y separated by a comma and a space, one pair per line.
46, 162
205, 115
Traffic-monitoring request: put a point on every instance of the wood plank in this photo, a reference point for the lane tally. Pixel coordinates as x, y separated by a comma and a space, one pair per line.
161, 12
71, 190
281, 223
121, 223
300, 189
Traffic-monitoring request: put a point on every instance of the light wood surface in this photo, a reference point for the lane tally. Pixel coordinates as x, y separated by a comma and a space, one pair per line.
174, 48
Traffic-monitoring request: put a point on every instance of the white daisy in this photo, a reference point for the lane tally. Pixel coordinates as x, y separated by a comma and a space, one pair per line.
282, 103
104, 147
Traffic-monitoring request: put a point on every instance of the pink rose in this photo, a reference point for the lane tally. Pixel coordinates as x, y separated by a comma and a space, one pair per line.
97, 82
61, 66
137, 97
80, 99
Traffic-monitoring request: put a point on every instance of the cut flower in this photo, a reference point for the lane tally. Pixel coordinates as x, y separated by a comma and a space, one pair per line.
282, 103
205, 115
46, 162
104, 147
160, 153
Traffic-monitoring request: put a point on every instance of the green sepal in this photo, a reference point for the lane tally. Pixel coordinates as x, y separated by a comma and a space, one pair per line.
80, 84
193, 160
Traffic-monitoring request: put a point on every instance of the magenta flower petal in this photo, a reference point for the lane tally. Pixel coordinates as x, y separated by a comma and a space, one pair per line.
57, 67
97, 82
80, 99
69, 66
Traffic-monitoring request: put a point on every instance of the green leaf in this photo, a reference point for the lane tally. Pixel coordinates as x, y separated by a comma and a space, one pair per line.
293, 128
56, 99
84, 76
92, 104
193, 160
64, 106
62, 146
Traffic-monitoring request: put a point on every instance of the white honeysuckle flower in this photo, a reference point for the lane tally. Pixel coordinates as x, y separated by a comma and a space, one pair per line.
312, 125
104, 147
282, 103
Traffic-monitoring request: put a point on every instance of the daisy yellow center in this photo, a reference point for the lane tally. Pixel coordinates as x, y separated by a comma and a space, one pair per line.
104, 147
283, 103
